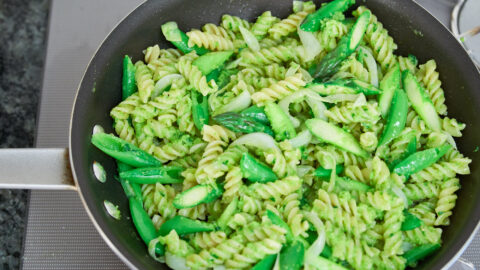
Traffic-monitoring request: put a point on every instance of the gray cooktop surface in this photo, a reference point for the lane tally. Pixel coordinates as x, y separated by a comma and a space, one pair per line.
59, 233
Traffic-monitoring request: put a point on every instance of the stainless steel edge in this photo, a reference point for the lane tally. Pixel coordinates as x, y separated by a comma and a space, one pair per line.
36, 168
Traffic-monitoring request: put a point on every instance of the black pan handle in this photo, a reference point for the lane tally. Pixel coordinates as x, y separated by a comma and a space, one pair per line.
36, 168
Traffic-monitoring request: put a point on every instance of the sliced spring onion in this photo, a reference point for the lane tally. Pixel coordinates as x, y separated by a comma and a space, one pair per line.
371, 65
451, 140
99, 172
237, 104
400, 194
340, 98
310, 43
112, 210
175, 262
97, 129
257, 139
313, 100
163, 83
317, 246
250, 39
302, 138
302, 170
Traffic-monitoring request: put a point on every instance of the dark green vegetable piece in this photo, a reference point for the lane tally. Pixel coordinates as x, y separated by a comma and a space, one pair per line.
281, 124
241, 123
128, 79
344, 86
291, 256
313, 21
144, 224
411, 221
411, 148
257, 113
420, 160
325, 173
132, 190
414, 255
199, 109
279, 222
163, 175
255, 171
389, 84
179, 39
124, 151
224, 77
266, 263
211, 61
214, 74
330, 64
322, 263
326, 252
397, 117
183, 226
196, 195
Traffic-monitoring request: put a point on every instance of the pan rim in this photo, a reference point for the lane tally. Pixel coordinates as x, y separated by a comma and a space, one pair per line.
116, 246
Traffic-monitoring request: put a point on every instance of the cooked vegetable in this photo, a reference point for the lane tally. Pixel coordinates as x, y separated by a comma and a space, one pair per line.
420, 160
344, 86
389, 84
128, 79
241, 123
291, 256
196, 195
183, 226
313, 21
200, 109
281, 124
397, 117
212, 61
163, 175
255, 171
179, 39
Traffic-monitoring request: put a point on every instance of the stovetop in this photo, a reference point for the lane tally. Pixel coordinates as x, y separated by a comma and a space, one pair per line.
59, 233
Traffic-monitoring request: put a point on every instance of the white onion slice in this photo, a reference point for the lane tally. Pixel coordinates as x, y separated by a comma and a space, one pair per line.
237, 104
310, 43
317, 246
313, 100
163, 83
340, 98
302, 170
176, 262
400, 194
303, 138
257, 139
371, 65
250, 39
112, 210
451, 140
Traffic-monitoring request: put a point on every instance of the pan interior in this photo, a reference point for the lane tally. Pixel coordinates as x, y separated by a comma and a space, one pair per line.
413, 29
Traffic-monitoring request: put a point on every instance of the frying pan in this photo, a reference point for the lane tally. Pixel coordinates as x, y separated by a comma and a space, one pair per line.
414, 30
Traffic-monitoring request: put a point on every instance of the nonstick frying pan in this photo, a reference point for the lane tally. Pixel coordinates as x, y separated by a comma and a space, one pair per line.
414, 30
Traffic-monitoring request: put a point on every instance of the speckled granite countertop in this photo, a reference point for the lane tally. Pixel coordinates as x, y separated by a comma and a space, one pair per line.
23, 26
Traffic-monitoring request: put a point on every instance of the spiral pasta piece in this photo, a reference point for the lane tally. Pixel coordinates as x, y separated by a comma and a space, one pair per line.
286, 26
392, 224
157, 200
217, 255
123, 110
233, 23
144, 80
194, 76
357, 173
408, 63
423, 235
421, 190
399, 144
196, 212
293, 215
175, 245
217, 133
377, 199
278, 90
349, 113
452, 126
125, 131
331, 33
209, 41
163, 105
212, 151
265, 56
263, 23
218, 31
425, 211
443, 170
369, 141
430, 78
253, 253
446, 201
380, 174
207, 240
173, 150
274, 190
275, 158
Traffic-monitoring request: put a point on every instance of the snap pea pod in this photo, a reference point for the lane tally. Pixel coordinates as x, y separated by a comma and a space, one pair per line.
331, 63
257, 113
420, 160
313, 21
410, 222
144, 224
281, 124
389, 84
124, 151
411, 148
414, 255
255, 171
204, 193
128, 79
348, 184
397, 117
344, 86
211, 61
183, 226
266, 263
163, 175
224, 77
199, 109
326, 252
131, 189
241, 123
279, 222
292, 255
325, 173
179, 39
214, 74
